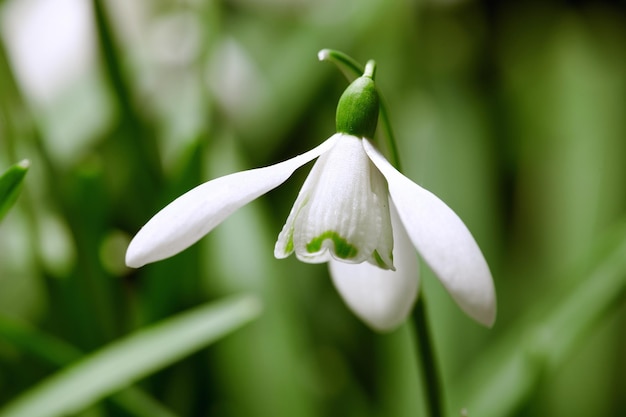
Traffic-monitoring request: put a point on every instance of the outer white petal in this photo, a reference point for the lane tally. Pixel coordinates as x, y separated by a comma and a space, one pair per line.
443, 241
381, 298
194, 214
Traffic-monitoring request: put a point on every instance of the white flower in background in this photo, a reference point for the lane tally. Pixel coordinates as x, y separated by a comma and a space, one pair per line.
354, 211
51, 44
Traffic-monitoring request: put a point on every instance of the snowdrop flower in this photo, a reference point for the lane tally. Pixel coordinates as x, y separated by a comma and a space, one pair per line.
354, 211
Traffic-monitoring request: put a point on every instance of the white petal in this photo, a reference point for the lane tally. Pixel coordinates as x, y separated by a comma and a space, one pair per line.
443, 241
342, 211
381, 298
195, 213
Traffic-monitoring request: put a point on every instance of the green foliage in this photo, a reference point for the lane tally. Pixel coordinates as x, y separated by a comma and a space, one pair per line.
511, 112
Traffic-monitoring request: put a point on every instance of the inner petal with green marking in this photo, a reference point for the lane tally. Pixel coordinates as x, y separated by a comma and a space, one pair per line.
342, 211
342, 248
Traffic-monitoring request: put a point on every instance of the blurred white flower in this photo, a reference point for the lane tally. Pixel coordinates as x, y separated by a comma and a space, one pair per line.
50, 42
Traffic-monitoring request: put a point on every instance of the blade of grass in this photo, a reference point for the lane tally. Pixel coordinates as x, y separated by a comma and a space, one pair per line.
136, 356
10, 185
59, 353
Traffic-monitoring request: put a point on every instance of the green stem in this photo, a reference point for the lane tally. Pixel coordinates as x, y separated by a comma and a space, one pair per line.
426, 351
392, 149
345, 63
370, 69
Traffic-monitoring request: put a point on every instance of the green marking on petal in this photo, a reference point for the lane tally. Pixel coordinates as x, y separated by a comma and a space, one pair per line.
379, 260
381, 263
343, 249
289, 247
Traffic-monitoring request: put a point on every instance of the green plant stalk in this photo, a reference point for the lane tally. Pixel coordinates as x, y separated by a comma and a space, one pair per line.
425, 350
428, 358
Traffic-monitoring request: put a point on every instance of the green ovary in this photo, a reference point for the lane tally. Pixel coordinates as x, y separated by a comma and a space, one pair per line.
343, 249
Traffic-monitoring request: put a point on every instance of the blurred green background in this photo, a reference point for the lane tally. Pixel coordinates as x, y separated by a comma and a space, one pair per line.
514, 113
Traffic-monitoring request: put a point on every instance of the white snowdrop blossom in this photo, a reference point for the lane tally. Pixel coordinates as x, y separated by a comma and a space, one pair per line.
354, 211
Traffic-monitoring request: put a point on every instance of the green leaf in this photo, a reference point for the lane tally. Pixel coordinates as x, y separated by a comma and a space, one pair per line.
132, 358
10, 185
57, 352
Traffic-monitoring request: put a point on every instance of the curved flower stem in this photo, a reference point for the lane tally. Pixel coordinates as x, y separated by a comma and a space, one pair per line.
426, 351
349, 67
345, 63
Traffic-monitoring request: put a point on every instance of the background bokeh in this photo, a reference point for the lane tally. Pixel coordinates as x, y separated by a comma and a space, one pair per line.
514, 113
